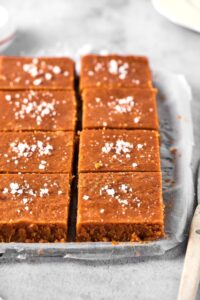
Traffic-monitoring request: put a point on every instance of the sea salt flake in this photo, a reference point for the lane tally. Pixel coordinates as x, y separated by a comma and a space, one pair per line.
42, 165
123, 202
8, 97
110, 192
134, 165
139, 146
44, 191
56, 70
25, 200
85, 197
90, 73
124, 187
113, 66
37, 81
48, 76
136, 119
5, 191
66, 73
107, 147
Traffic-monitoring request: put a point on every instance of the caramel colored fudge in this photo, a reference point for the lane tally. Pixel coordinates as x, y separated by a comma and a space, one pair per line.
34, 207
119, 108
115, 71
37, 110
120, 207
119, 150
39, 152
36, 73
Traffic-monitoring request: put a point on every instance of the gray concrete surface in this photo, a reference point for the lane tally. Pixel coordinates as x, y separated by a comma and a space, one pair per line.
62, 27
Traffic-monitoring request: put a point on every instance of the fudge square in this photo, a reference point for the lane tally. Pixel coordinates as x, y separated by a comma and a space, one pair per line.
36, 152
120, 108
34, 207
37, 110
120, 207
36, 73
119, 150
115, 71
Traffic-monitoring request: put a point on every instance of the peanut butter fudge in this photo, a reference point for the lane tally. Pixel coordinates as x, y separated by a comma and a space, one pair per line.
119, 108
115, 71
119, 150
34, 207
36, 73
120, 207
37, 110
36, 152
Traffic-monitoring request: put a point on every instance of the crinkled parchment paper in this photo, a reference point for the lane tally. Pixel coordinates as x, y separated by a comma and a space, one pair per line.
173, 100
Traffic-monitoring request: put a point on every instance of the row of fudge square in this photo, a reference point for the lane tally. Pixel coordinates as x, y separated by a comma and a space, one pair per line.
114, 105
38, 119
59, 73
35, 207
120, 186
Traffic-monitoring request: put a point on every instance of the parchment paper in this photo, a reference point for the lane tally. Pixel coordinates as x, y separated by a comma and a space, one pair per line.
176, 154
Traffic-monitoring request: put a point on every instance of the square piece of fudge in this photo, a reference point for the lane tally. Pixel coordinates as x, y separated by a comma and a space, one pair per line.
37, 110
120, 207
119, 150
115, 71
34, 207
36, 152
36, 73
120, 108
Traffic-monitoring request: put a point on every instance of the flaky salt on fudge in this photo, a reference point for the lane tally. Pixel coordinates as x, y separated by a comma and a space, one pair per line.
37, 110
36, 152
34, 207
119, 108
114, 150
36, 73
120, 207
115, 71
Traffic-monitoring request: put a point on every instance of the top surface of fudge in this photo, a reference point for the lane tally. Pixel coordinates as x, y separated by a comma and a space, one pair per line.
115, 71
119, 108
119, 150
36, 152
36, 73
120, 198
37, 110
28, 197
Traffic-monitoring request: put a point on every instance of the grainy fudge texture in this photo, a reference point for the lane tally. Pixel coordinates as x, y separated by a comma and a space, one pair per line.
119, 150
115, 71
40, 152
37, 110
36, 73
34, 207
119, 108
120, 207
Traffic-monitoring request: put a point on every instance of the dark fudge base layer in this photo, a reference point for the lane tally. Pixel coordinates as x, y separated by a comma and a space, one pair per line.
119, 232
30, 233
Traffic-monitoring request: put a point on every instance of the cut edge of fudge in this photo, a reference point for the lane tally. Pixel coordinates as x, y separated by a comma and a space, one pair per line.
118, 231
27, 230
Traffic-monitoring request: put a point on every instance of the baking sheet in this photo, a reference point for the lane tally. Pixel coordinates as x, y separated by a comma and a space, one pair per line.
173, 100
